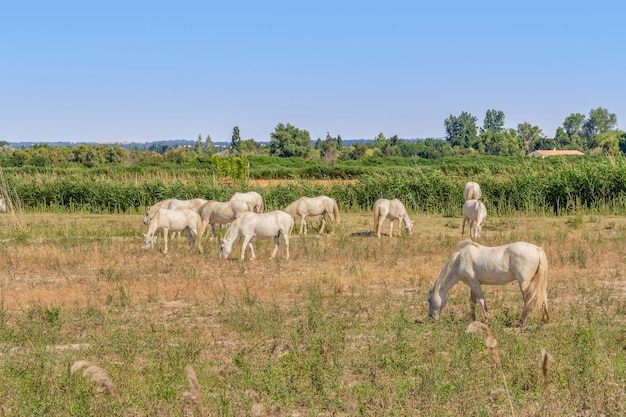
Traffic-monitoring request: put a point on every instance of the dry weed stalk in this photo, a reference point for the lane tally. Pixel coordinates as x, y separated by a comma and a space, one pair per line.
194, 390
546, 359
99, 376
492, 344
12, 202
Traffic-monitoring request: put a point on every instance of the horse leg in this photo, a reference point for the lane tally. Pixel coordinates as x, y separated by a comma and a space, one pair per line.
165, 232
463, 226
323, 223
546, 316
526, 312
190, 237
286, 239
246, 242
276, 242
473, 299
477, 294
390, 227
379, 226
302, 224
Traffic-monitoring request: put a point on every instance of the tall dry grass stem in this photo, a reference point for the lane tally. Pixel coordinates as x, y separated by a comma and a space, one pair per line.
492, 344
13, 203
546, 359
194, 390
100, 377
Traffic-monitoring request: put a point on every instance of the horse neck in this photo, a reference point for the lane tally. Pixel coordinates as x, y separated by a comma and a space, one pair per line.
447, 278
153, 225
232, 232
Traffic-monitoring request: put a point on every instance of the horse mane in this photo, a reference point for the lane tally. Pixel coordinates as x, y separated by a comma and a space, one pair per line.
464, 243
453, 257
291, 208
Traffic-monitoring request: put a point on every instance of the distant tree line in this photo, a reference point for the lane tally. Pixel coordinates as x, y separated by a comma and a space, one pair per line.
595, 134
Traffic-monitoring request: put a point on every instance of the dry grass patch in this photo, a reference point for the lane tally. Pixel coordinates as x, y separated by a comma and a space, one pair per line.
330, 331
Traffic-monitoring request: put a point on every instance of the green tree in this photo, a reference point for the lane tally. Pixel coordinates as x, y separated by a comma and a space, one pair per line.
209, 148
235, 142
251, 147
382, 146
287, 141
570, 136
178, 155
573, 124
599, 121
40, 155
357, 151
329, 149
461, 131
530, 135
198, 149
606, 143
504, 143
494, 121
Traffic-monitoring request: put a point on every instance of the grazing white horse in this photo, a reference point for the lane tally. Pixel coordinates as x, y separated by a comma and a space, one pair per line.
213, 212
474, 264
254, 200
474, 212
472, 191
3, 206
173, 204
392, 210
175, 221
315, 206
265, 225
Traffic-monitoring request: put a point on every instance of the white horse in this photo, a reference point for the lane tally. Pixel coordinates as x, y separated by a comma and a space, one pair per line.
175, 221
392, 210
472, 191
254, 200
3, 206
213, 212
474, 264
474, 212
266, 225
173, 204
315, 206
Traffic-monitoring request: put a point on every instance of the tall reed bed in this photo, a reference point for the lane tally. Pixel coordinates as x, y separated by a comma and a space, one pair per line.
519, 186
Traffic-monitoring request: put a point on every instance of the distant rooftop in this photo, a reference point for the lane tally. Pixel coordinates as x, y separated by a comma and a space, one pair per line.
554, 152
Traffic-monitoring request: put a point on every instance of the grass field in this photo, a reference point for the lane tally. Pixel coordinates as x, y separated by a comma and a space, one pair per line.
340, 329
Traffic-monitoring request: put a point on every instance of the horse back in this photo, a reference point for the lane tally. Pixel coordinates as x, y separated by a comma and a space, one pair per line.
501, 264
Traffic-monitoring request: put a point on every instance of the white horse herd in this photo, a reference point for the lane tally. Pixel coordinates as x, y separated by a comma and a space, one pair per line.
471, 263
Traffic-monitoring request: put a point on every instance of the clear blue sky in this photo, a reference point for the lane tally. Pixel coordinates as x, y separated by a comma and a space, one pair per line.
113, 71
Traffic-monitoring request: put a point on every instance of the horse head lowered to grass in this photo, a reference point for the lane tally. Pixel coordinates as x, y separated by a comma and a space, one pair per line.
475, 264
392, 210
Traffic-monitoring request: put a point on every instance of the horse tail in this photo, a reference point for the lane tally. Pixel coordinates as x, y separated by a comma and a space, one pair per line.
537, 288
376, 218
291, 224
261, 206
472, 192
336, 211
